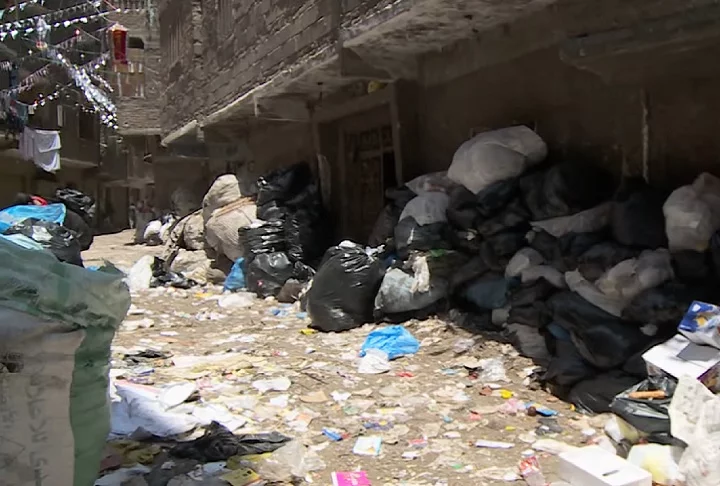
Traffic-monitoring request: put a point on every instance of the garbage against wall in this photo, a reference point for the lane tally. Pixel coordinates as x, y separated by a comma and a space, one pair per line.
344, 289
68, 315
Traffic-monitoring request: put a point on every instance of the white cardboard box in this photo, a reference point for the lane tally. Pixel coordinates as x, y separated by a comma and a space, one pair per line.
680, 357
594, 466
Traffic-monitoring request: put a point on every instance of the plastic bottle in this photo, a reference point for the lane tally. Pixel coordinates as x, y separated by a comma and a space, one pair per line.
530, 469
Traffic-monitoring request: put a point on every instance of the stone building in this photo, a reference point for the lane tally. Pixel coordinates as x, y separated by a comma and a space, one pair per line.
375, 92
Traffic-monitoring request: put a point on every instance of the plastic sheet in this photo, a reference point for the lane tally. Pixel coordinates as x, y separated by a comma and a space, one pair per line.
54, 213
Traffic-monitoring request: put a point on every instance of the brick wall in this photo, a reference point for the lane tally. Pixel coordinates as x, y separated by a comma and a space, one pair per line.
139, 108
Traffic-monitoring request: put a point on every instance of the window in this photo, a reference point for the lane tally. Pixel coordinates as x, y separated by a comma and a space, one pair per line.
226, 19
136, 43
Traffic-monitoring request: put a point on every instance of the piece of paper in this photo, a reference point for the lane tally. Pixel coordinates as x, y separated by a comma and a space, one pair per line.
368, 446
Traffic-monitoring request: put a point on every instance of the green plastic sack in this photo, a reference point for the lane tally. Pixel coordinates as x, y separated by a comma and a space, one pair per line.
57, 322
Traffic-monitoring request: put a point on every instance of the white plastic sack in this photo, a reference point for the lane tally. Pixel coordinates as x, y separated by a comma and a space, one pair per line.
629, 278
692, 214
193, 232
429, 208
140, 275
551, 274
433, 182
588, 221
522, 260
495, 156
225, 190
221, 230
396, 294
153, 233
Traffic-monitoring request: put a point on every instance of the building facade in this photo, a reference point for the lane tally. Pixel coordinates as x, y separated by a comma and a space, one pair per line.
375, 92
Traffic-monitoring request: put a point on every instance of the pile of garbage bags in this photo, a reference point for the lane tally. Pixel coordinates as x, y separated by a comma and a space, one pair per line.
581, 274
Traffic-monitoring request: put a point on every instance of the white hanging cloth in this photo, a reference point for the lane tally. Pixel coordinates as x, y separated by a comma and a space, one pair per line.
42, 147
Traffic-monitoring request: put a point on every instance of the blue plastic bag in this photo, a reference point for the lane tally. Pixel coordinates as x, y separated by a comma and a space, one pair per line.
395, 341
701, 324
54, 213
236, 278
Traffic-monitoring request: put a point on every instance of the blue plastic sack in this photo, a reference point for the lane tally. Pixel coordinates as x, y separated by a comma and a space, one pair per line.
54, 213
395, 341
236, 278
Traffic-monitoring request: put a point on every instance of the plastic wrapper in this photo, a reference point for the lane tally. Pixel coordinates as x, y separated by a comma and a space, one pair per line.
344, 289
701, 324
236, 278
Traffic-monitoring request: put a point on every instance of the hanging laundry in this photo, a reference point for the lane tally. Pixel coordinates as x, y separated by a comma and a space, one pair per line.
42, 147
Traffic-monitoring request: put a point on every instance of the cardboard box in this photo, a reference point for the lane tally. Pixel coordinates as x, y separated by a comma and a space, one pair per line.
594, 466
679, 357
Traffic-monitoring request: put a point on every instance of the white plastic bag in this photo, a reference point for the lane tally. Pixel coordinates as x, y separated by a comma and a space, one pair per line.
429, 208
495, 156
433, 182
153, 233
593, 219
140, 275
522, 260
290, 462
691, 215
396, 293
630, 277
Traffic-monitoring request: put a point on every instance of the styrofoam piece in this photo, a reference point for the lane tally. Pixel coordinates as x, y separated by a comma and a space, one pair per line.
594, 466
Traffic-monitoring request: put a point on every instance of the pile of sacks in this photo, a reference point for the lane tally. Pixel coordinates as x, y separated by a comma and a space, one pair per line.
264, 241
581, 275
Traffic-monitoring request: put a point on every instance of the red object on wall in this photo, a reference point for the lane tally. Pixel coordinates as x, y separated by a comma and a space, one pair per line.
118, 38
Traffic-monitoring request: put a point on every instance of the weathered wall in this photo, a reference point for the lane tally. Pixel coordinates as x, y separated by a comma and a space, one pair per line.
137, 113
579, 116
573, 111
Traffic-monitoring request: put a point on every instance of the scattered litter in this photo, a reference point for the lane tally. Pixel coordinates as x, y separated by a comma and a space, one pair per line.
374, 362
395, 341
491, 444
275, 384
354, 478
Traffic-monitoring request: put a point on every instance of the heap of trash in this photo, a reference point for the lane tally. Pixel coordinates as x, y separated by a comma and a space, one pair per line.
587, 277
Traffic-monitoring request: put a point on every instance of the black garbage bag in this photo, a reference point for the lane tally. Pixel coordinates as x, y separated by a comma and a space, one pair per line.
563, 253
602, 257
494, 198
564, 189
567, 367
283, 184
271, 211
507, 243
513, 217
649, 416
595, 394
267, 237
400, 196
664, 306
637, 217
490, 291
59, 240
462, 211
163, 277
534, 315
267, 273
715, 253
409, 235
692, 266
305, 234
529, 293
467, 241
529, 342
473, 269
219, 444
602, 339
78, 202
343, 292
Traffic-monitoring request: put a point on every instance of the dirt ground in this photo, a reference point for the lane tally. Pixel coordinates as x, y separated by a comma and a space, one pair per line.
430, 409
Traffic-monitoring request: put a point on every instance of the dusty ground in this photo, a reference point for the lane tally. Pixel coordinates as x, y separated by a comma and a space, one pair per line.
433, 395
